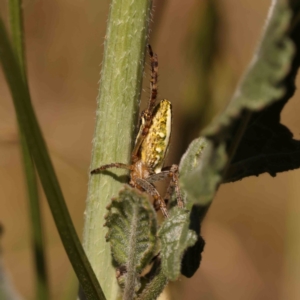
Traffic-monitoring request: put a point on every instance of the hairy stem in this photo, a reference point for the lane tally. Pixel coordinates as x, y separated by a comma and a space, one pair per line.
118, 102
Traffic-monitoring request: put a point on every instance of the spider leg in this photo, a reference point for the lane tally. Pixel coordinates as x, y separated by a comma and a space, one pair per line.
153, 81
146, 115
149, 188
113, 165
174, 174
171, 172
158, 176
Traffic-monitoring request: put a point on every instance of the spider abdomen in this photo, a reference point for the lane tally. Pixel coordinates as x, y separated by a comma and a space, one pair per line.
156, 143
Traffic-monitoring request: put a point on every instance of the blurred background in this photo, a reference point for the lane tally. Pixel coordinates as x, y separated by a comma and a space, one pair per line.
252, 230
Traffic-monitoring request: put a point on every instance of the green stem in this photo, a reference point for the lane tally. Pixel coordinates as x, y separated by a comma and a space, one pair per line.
16, 27
120, 87
38, 247
36, 144
42, 288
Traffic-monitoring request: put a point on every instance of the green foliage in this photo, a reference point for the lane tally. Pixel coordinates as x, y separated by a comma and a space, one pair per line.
260, 87
193, 255
210, 160
262, 84
192, 157
132, 235
207, 159
267, 145
154, 288
193, 164
175, 239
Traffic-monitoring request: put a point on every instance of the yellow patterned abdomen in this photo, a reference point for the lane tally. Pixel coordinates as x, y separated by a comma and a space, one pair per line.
156, 143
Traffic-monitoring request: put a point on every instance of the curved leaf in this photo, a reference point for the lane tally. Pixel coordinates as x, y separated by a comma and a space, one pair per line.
175, 237
155, 287
262, 86
132, 235
267, 145
192, 257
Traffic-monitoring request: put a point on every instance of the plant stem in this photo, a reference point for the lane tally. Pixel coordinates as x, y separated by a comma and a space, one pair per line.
118, 102
36, 144
42, 288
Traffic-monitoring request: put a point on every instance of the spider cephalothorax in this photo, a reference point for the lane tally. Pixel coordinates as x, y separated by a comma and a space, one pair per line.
151, 146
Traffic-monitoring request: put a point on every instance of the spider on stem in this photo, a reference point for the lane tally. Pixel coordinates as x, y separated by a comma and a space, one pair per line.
151, 145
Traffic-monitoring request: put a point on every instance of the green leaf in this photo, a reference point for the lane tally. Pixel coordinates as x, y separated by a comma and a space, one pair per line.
132, 235
192, 257
155, 286
267, 145
201, 175
175, 239
261, 86
191, 159
191, 164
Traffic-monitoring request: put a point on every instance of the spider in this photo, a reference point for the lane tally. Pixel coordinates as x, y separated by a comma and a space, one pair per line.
151, 146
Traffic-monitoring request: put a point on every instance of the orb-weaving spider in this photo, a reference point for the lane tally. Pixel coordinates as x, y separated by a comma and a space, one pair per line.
151, 145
